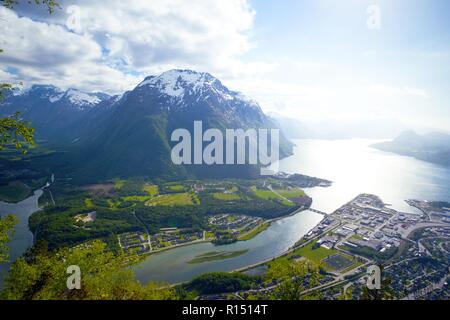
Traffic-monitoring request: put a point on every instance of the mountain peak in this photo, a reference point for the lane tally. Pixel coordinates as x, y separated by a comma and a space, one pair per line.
175, 82
80, 98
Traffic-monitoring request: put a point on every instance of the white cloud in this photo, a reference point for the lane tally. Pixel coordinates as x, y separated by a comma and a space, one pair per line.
115, 44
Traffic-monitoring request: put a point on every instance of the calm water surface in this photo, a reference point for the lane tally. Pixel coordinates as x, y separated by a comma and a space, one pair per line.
353, 167
22, 238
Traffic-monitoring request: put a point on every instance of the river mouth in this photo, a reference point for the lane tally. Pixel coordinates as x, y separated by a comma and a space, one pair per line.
173, 266
22, 238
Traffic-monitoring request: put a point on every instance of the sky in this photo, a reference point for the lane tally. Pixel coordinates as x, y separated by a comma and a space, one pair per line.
305, 59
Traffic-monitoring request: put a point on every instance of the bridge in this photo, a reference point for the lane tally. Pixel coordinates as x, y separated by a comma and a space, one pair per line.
318, 211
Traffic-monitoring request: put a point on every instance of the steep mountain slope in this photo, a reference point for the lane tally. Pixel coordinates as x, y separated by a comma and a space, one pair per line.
135, 140
51, 110
106, 137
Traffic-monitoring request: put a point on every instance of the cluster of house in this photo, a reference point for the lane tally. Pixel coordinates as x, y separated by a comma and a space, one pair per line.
198, 187
136, 241
172, 237
233, 222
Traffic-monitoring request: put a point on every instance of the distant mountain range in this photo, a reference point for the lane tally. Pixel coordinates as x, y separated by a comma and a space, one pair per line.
129, 135
50, 109
431, 147
331, 129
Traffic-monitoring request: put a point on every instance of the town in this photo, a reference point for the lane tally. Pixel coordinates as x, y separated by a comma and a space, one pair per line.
412, 249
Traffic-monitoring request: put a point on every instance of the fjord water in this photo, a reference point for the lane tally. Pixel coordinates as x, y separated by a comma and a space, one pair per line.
22, 238
353, 167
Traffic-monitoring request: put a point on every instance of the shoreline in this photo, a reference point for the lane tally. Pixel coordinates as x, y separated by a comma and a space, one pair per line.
246, 267
269, 222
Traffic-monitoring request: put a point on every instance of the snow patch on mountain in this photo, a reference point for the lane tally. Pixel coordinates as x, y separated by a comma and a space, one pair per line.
176, 84
81, 99
55, 98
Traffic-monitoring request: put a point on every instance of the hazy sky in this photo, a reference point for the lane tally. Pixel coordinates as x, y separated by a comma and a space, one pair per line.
299, 58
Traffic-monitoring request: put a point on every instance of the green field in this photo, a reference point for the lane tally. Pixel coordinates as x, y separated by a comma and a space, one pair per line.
270, 195
136, 198
226, 196
176, 199
318, 255
262, 227
89, 203
291, 193
14, 192
176, 187
152, 190
118, 184
216, 255
315, 255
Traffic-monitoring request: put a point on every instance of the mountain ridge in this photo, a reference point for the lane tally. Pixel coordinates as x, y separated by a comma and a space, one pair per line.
431, 147
129, 135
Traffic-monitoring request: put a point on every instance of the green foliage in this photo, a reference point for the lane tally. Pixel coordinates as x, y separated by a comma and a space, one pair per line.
14, 192
6, 229
371, 253
262, 227
155, 218
4, 87
220, 282
14, 130
294, 277
50, 4
58, 227
175, 199
42, 275
346, 294
123, 209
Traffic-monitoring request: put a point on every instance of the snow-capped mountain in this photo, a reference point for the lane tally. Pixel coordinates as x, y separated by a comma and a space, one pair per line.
192, 95
129, 134
135, 139
48, 93
182, 85
50, 109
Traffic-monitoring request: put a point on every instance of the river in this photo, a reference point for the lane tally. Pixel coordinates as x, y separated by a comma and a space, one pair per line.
353, 167
22, 238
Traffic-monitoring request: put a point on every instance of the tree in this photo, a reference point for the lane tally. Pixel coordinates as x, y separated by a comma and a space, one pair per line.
42, 275
347, 294
6, 229
51, 4
14, 130
294, 278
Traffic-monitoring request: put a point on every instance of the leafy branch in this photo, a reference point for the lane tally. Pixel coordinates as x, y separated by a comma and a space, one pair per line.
16, 131
50, 4
6, 229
